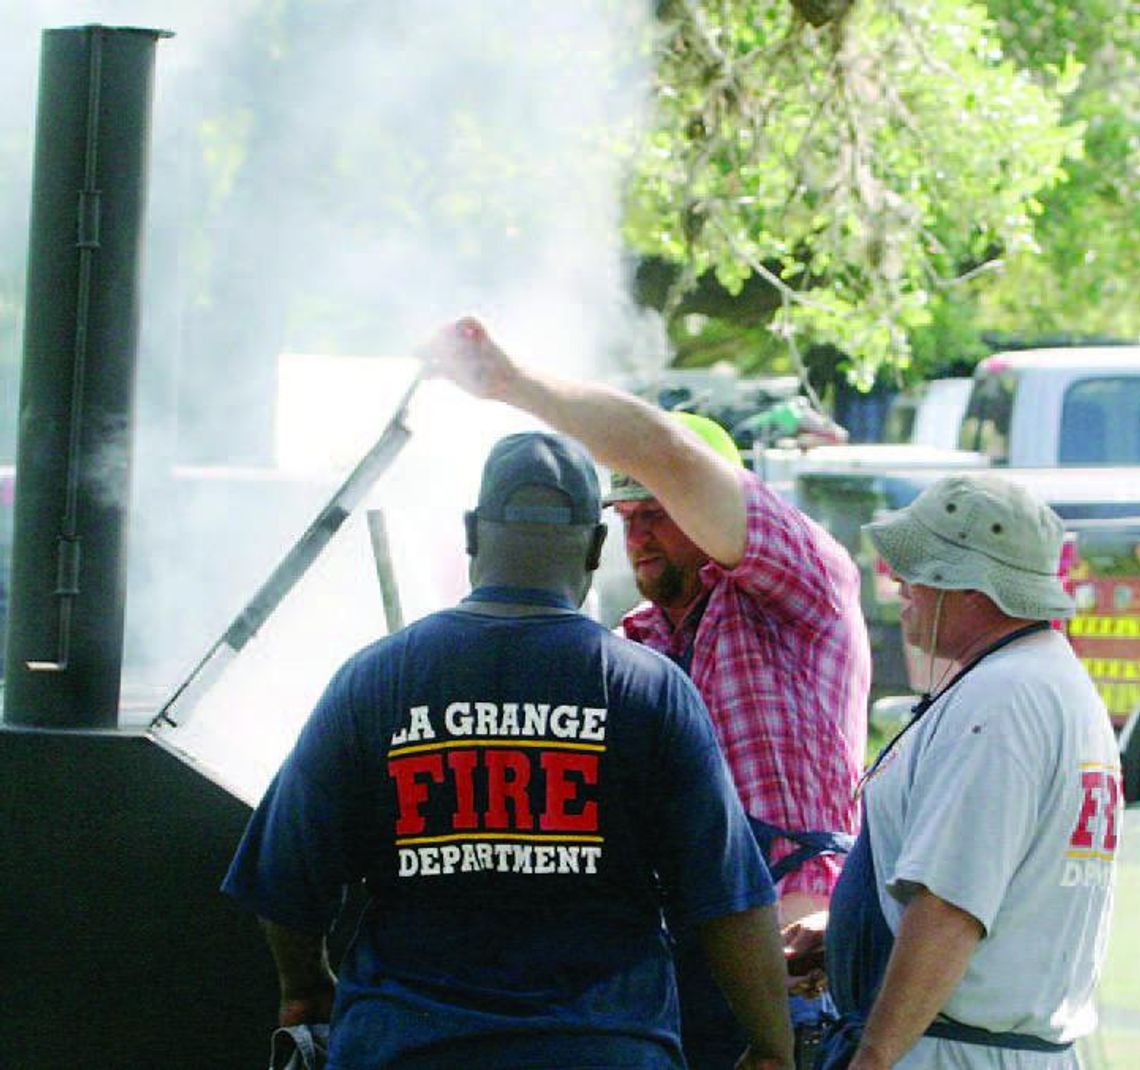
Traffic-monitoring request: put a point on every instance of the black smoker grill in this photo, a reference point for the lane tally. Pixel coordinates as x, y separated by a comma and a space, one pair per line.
118, 949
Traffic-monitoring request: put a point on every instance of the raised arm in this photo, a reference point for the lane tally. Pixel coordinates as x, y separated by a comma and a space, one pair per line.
699, 489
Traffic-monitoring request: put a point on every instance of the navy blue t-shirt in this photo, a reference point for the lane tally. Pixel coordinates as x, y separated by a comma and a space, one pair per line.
523, 796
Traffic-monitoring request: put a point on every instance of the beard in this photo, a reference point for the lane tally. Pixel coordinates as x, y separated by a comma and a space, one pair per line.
666, 589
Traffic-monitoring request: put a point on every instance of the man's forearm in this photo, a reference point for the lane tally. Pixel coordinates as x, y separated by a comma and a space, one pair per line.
931, 953
746, 956
306, 980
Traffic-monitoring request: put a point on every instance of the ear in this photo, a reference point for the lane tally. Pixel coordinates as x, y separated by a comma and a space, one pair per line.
597, 540
471, 524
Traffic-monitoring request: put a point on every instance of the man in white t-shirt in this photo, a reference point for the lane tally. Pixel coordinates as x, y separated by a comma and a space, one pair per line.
970, 924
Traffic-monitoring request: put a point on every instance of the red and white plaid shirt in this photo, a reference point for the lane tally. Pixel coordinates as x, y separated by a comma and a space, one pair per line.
782, 661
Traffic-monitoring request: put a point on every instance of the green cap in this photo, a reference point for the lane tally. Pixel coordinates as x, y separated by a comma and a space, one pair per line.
623, 488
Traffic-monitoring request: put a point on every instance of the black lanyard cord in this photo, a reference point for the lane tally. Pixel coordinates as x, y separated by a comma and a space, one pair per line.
926, 701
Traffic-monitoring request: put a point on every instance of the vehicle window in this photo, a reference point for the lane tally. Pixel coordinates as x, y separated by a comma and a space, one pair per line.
1100, 422
899, 424
985, 427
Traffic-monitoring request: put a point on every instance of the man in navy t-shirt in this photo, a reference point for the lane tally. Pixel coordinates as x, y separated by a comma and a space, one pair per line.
523, 794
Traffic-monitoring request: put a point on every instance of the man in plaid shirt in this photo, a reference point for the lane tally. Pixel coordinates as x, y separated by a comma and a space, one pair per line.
775, 642
758, 603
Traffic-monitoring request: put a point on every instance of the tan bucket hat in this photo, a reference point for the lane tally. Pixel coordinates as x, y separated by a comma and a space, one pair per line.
979, 532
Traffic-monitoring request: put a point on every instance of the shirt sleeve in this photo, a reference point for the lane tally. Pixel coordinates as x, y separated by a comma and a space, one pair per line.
709, 863
298, 850
790, 563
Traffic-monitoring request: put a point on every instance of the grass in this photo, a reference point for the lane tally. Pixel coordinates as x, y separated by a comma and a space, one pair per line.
1117, 1044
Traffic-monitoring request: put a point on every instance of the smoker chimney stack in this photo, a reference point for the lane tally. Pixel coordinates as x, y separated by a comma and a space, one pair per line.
73, 461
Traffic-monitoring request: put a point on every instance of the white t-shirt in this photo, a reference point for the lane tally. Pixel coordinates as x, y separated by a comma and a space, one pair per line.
1005, 800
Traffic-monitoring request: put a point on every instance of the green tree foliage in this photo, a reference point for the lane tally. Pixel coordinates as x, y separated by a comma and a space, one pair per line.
1082, 281
868, 169
885, 179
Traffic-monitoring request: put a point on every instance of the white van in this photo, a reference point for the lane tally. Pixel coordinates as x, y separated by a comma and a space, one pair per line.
1043, 407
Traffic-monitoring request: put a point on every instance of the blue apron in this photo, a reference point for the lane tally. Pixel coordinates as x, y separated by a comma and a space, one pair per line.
857, 945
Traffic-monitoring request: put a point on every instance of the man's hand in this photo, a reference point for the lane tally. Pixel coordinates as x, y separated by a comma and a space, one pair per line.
803, 952
309, 1010
465, 353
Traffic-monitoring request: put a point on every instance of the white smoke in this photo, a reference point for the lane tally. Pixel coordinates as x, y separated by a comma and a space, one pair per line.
421, 160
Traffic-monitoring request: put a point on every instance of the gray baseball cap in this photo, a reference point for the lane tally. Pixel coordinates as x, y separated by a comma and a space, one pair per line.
539, 459
979, 532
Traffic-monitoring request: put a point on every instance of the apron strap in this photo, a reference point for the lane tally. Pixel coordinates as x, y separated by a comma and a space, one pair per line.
948, 1028
812, 844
